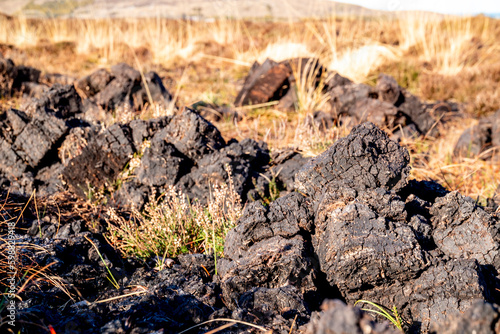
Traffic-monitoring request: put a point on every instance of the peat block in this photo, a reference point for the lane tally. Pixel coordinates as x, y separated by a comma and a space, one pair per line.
61, 99
387, 105
245, 159
93, 83
284, 166
192, 135
13, 78
29, 143
480, 318
338, 318
161, 165
275, 81
266, 249
101, 160
473, 140
39, 137
446, 288
462, 229
357, 247
184, 150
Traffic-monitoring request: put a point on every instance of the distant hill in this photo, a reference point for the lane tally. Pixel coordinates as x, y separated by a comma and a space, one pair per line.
194, 9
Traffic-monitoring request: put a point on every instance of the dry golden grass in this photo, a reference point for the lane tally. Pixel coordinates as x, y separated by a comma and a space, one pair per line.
418, 49
433, 56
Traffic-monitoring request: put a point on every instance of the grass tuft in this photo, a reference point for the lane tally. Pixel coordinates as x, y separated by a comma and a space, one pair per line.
171, 224
390, 314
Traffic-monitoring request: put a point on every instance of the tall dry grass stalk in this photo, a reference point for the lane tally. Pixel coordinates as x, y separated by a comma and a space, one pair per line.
354, 47
449, 43
309, 85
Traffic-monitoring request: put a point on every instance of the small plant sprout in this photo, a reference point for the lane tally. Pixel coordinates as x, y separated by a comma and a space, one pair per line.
390, 314
274, 189
110, 278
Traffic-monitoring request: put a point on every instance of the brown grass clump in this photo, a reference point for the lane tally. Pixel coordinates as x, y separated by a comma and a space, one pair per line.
480, 98
450, 58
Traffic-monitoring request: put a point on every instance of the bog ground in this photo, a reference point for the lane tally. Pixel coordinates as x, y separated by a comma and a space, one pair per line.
167, 176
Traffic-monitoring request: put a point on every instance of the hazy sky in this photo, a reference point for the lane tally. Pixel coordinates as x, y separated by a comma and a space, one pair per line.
439, 6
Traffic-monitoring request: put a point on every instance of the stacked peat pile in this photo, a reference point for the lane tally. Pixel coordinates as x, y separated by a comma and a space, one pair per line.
123, 87
355, 229
75, 153
388, 105
30, 141
375, 235
185, 150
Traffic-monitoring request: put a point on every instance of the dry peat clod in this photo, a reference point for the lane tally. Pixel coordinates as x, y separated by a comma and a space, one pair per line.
15, 79
276, 81
123, 87
337, 317
481, 140
366, 159
485, 317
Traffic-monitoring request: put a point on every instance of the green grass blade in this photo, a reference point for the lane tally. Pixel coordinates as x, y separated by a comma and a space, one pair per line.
112, 279
385, 315
383, 312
